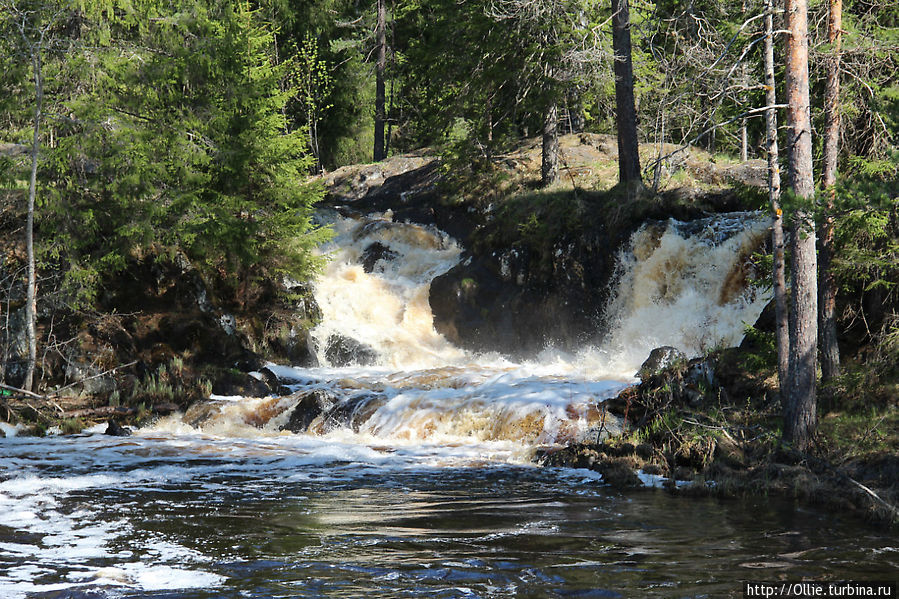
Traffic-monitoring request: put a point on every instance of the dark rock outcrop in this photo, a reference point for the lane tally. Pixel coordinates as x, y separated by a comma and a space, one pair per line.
659, 359
232, 382
310, 406
375, 252
350, 413
115, 429
526, 298
343, 351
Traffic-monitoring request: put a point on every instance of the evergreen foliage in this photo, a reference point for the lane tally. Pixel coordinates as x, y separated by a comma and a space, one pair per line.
169, 135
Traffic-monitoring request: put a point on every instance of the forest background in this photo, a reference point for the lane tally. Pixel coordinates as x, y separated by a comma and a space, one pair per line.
188, 130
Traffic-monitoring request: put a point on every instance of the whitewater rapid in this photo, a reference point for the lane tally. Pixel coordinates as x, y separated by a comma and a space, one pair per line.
81, 512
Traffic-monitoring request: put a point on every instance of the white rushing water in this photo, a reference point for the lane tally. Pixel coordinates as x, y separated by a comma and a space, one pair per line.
686, 285
420, 402
387, 308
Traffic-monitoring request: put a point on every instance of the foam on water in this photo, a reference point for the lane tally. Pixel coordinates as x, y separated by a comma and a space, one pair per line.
424, 406
388, 307
686, 285
60, 535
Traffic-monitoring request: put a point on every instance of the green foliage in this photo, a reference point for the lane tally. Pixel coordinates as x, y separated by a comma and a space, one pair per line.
761, 357
174, 139
311, 76
71, 426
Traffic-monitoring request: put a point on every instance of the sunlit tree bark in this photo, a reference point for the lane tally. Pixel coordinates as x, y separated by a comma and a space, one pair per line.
777, 231
380, 92
830, 352
625, 108
800, 417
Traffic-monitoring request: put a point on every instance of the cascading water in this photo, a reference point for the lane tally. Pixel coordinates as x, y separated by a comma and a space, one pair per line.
681, 284
687, 285
401, 466
375, 292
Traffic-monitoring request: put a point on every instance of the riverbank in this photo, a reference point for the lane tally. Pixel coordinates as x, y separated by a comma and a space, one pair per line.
536, 270
711, 427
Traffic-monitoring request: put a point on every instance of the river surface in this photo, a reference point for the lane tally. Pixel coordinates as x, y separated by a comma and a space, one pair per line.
408, 471
166, 515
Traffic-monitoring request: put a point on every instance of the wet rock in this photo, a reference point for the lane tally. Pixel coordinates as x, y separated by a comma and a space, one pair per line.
231, 382
526, 298
114, 429
375, 252
344, 351
310, 406
659, 359
350, 413
271, 380
610, 426
199, 413
618, 472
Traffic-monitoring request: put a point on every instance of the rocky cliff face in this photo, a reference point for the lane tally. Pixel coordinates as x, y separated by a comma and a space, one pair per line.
537, 265
507, 299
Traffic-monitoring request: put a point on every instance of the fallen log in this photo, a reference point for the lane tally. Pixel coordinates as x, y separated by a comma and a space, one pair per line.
110, 411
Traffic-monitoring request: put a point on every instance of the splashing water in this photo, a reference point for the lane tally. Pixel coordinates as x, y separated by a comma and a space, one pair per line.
681, 284
100, 513
686, 285
387, 308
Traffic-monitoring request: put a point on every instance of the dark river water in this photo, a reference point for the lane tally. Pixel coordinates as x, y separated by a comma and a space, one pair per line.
187, 515
416, 478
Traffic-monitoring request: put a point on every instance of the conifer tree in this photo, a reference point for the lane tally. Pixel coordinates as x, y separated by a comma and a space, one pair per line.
800, 417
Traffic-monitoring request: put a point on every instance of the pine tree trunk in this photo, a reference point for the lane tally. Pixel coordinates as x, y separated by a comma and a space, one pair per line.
549, 170
800, 417
830, 352
31, 290
777, 231
625, 108
380, 92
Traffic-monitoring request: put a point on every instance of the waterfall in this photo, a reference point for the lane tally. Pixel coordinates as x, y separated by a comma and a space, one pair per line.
689, 285
374, 292
388, 379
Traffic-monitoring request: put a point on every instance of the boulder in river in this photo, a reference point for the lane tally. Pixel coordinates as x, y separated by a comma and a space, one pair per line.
344, 351
373, 253
114, 429
659, 359
310, 406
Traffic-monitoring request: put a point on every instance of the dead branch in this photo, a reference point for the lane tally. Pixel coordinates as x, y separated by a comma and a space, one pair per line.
90, 378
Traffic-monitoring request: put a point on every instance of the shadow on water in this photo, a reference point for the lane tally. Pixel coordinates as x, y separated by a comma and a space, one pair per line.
476, 532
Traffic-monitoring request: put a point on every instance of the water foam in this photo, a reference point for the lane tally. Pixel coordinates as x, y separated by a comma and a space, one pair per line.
61, 531
387, 309
686, 285
681, 284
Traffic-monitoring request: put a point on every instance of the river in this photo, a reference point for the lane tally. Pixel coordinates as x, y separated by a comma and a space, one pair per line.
414, 475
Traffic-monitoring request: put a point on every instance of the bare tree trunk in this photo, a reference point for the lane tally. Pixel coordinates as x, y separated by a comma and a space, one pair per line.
380, 94
830, 351
625, 108
777, 231
31, 291
744, 142
549, 170
744, 135
800, 417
